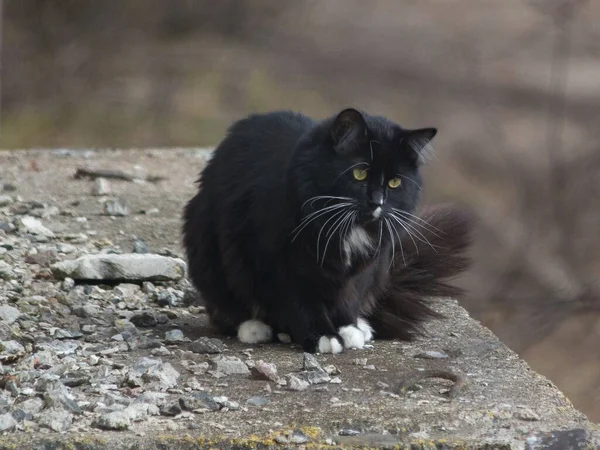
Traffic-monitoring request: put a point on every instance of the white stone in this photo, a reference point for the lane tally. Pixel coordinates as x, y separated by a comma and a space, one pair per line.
9, 314
128, 266
34, 226
101, 187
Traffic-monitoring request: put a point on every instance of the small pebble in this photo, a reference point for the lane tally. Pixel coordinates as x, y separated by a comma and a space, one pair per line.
174, 336
101, 187
431, 354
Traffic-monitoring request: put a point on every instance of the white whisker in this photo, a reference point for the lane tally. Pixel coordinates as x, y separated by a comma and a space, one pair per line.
400, 242
410, 179
399, 221
420, 236
387, 224
332, 231
321, 230
321, 197
380, 236
399, 211
315, 215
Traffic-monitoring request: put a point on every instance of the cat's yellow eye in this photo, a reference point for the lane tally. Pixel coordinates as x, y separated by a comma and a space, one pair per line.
394, 183
359, 174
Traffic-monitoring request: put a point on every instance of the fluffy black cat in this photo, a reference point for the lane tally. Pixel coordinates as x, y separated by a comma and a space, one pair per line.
308, 229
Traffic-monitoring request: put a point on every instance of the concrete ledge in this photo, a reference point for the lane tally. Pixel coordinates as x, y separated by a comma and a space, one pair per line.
503, 404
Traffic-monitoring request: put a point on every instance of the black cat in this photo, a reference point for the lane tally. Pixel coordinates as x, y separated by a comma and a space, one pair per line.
307, 228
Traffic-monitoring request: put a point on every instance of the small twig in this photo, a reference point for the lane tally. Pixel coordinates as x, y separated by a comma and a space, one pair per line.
83, 172
413, 378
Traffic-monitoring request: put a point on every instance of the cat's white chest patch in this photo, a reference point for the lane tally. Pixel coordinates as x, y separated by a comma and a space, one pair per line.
357, 243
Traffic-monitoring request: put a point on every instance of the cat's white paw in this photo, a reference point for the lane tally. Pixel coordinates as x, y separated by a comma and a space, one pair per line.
329, 345
254, 332
352, 336
366, 328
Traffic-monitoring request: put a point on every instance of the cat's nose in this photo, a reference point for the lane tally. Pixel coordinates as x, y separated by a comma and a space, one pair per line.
376, 200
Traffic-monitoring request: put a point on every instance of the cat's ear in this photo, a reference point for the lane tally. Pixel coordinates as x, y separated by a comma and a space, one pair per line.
348, 131
419, 141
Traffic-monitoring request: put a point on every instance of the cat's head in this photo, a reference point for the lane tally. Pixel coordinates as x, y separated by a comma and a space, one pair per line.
371, 162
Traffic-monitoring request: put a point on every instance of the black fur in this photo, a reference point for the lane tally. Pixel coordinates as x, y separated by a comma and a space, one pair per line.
254, 250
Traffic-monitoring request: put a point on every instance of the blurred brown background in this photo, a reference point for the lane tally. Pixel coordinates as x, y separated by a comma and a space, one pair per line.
512, 85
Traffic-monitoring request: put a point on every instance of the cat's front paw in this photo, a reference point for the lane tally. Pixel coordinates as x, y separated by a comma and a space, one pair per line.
254, 332
352, 336
366, 328
328, 344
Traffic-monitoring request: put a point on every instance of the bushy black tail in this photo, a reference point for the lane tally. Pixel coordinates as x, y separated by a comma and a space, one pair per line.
425, 271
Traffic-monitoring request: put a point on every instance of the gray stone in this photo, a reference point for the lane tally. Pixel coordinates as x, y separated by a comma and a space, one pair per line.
5, 200
148, 288
66, 248
7, 227
226, 403
122, 420
67, 334
147, 370
123, 267
58, 396
166, 298
527, 415
316, 376
298, 437
349, 432
431, 354
67, 284
144, 319
140, 246
43, 258
126, 290
296, 384
174, 336
139, 411
207, 345
6, 271
31, 406
57, 420
257, 401
116, 207
45, 359
101, 187
198, 400
170, 409
9, 314
45, 212
32, 225
311, 363
11, 348
230, 365
116, 420
7, 422
61, 348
